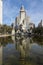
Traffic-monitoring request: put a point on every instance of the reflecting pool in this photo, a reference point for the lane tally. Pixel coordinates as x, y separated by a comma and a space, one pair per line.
21, 51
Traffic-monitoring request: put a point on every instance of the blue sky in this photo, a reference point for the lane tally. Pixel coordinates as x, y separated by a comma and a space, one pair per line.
11, 8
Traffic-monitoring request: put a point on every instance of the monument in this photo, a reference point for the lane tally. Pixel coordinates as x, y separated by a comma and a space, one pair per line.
22, 21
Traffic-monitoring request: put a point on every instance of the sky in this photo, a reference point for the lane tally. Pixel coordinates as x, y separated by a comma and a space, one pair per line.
0, 12
11, 8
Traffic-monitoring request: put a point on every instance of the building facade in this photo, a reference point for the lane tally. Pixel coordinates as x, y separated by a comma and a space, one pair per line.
22, 20
40, 24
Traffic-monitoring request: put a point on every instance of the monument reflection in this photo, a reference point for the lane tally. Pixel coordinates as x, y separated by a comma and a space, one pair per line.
22, 51
23, 45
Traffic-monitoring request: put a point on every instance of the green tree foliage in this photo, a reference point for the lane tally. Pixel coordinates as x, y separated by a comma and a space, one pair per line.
5, 29
38, 30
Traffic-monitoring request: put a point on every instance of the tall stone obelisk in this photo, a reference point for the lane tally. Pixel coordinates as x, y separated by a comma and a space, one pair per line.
1, 12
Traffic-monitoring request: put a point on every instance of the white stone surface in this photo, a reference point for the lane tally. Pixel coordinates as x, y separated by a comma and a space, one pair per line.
42, 23
13, 32
23, 19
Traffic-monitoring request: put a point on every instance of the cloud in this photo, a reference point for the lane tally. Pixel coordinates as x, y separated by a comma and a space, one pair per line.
35, 16
35, 11
9, 13
11, 8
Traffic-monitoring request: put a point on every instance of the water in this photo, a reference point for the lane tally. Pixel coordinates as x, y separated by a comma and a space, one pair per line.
21, 51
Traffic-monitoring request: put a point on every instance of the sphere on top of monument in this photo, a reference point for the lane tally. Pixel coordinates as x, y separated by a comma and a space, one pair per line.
22, 8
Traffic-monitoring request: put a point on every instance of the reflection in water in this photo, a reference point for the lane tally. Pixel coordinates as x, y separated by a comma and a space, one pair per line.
22, 51
1, 54
23, 47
